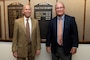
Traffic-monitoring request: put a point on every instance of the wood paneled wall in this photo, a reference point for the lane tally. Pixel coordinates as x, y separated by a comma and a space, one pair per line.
80, 9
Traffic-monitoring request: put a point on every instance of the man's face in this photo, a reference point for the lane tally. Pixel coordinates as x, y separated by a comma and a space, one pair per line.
26, 11
60, 9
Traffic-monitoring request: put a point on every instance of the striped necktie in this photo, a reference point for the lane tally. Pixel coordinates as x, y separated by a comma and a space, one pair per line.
27, 31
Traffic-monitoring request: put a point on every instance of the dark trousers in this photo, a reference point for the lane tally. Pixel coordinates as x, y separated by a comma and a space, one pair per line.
59, 55
29, 57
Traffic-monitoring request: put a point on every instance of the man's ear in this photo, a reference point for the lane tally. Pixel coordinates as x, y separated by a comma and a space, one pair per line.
22, 12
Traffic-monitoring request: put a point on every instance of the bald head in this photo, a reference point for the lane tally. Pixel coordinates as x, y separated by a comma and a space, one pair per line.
26, 11
26, 6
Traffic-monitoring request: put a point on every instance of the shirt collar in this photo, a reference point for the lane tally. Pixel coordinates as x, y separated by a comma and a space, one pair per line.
61, 17
26, 18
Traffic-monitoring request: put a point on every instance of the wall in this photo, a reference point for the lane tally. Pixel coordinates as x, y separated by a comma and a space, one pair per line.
6, 53
77, 8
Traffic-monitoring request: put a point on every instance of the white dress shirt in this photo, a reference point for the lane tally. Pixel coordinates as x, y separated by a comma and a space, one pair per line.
30, 24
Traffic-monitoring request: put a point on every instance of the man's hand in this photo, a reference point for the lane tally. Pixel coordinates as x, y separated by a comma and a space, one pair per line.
73, 50
15, 54
37, 52
48, 49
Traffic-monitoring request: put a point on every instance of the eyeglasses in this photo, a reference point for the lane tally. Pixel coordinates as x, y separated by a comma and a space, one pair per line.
59, 7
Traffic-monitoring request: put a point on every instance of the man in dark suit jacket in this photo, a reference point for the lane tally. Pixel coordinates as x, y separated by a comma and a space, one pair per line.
69, 35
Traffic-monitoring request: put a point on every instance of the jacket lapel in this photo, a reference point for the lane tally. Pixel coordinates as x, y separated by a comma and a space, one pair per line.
23, 24
65, 21
32, 23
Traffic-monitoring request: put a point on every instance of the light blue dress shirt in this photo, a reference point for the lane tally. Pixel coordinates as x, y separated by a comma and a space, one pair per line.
58, 18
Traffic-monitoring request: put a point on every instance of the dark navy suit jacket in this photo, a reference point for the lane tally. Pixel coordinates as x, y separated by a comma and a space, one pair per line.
70, 34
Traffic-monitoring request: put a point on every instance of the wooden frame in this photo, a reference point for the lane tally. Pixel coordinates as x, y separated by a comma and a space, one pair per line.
0, 22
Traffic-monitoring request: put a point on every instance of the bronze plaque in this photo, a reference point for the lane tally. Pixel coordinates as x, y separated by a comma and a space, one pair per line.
14, 12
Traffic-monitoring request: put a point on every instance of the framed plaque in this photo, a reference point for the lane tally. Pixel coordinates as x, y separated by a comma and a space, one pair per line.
43, 10
43, 13
14, 12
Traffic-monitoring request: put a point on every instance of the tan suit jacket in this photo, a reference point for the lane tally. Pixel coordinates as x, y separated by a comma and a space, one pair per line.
20, 44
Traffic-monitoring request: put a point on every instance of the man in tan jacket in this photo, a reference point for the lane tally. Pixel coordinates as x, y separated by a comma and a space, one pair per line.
22, 47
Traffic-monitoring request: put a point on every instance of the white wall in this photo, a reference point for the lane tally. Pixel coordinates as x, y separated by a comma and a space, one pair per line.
83, 52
